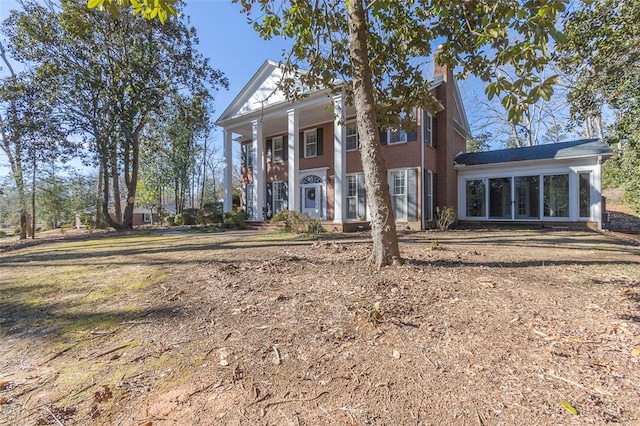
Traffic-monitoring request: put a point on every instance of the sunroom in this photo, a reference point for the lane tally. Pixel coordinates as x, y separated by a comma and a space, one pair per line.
549, 184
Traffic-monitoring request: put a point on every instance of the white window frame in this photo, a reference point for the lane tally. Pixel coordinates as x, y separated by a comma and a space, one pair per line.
278, 153
348, 196
146, 217
277, 196
310, 134
400, 132
404, 196
427, 132
249, 155
352, 135
428, 207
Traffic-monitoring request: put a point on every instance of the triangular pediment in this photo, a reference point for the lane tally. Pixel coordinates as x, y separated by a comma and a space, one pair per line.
260, 92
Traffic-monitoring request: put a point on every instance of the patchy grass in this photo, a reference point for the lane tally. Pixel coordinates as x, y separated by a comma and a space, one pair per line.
478, 327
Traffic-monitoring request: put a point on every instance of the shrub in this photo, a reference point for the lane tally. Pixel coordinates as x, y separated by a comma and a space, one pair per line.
87, 220
178, 220
292, 220
3, 234
314, 226
188, 219
445, 216
235, 220
295, 222
170, 221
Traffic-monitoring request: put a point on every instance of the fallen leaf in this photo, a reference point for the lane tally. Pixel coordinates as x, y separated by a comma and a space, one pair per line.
635, 352
602, 391
570, 408
396, 354
3, 400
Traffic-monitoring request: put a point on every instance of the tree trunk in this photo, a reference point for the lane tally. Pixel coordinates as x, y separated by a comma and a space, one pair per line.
105, 159
117, 208
99, 196
33, 199
385, 249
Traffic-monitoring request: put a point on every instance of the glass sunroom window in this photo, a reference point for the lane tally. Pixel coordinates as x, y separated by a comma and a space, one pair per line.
527, 197
476, 198
585, 194
500, 198
556, 195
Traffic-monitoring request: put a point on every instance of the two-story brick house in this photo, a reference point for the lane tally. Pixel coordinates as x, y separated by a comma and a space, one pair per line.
304, 156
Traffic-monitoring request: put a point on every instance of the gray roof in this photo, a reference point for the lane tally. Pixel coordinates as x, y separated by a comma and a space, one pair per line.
557, 151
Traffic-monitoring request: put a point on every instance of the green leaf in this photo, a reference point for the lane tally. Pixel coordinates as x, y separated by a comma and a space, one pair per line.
91, 4
570, 408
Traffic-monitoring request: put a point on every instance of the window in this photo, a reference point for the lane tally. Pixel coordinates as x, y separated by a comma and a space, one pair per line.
398, 194
278, 149
427, 135
428, 195
310, 143
556, 195
248, 196
403, 186
476, 198
146, 217
352, 136
500, 198
585, 193
397, 136
279, 197
527, 197
356, 202
249, 155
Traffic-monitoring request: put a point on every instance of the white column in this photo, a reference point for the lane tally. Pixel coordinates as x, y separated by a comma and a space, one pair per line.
259, 184
227, 204
293, 150
596, 192
339, 158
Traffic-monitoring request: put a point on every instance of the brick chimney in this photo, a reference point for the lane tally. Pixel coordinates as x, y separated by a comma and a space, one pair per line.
441, 70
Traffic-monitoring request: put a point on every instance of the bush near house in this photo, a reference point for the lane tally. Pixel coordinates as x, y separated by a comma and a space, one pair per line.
235, 220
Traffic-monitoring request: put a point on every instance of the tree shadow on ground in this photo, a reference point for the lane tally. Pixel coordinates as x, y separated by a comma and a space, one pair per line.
55, 318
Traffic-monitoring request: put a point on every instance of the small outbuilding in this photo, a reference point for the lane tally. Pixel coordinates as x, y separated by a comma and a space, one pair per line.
549, 184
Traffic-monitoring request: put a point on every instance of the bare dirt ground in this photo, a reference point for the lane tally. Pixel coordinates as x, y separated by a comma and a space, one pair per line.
476, 327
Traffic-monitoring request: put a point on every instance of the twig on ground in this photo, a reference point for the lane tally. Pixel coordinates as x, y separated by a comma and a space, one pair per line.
285, 401
278, 359
571, 382
57, 354
110, 351
212, 385
53, 415
428, 359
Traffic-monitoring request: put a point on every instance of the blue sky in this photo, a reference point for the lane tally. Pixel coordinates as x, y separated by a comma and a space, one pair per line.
232, 46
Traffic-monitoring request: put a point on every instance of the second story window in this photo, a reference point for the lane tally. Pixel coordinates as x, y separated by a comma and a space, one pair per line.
310, 143
427, 134
278, 149
352, 136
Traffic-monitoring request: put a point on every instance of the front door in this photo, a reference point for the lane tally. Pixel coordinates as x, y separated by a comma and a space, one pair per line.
312, 200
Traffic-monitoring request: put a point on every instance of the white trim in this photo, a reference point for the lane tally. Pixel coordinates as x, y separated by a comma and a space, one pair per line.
310, 132
339, 158
293, 166
321, 172
347, 124
259, 187
273, 149
227, 204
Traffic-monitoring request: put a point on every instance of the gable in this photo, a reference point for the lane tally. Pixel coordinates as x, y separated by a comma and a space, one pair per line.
260, 92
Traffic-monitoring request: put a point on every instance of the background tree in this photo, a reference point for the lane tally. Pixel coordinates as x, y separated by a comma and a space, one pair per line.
30, 130
602, 52
116, 72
